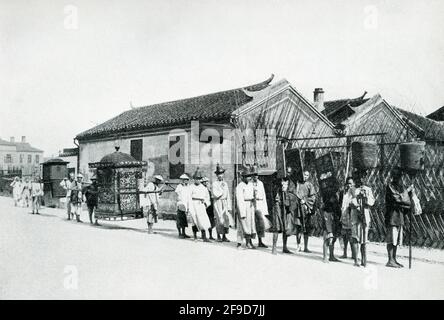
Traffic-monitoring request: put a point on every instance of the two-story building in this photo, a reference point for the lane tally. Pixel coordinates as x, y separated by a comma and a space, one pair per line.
20, 157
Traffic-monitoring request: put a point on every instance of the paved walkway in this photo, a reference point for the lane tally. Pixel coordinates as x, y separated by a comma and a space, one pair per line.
45, 256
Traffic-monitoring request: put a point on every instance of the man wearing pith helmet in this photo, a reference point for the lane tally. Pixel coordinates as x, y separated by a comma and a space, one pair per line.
150, 200
77, 196
183, 192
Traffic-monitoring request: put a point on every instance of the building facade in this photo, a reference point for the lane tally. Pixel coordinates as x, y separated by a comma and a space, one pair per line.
233, 128
20, 157
70, 155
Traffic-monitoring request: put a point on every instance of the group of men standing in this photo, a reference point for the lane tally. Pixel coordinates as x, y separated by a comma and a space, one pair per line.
349, 218
346, 214
27, 190
203, 206
77, 192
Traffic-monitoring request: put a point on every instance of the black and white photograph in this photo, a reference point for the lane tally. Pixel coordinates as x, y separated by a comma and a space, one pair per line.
221, 151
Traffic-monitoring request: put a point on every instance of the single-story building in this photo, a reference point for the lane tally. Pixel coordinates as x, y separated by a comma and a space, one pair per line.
70, 155
179, 136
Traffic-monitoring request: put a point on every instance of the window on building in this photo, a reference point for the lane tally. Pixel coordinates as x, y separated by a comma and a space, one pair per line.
176, 155
21, 158
37, 158
29, 158
136, 149
8, 158
211, 135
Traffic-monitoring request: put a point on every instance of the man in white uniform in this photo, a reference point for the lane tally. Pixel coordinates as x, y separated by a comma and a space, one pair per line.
222, 205
66, 185
200, 200
245, 206
260, 206
183, 191
150, 201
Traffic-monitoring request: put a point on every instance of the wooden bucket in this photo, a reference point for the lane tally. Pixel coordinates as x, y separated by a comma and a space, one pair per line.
364, 154
412, 155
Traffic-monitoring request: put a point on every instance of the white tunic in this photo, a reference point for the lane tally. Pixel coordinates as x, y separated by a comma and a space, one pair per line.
183, 197
370, 201
149, 199
200, 201
261, 201
222, 204
66, 184
17, 189
244, 197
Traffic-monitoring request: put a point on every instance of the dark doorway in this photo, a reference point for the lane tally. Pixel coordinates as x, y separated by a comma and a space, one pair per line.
176, 156
136, 149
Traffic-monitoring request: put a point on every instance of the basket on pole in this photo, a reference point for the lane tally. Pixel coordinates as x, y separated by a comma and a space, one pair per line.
364, 154
412, 162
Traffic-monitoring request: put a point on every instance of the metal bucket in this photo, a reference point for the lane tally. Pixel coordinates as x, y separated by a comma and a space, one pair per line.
364, 154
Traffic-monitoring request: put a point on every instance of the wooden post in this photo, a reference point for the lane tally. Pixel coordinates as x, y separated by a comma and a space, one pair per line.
410, 238
410, 224
348, 148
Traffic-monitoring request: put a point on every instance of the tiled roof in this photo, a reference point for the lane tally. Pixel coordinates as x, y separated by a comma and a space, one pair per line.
428, 128
69, 152
437, 115
211, 107
339, 110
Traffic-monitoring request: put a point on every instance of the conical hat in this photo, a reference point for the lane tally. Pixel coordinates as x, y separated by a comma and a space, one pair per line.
184, 176
158, 177
219, 169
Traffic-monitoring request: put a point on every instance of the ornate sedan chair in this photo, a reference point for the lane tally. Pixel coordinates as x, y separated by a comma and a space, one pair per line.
118, 175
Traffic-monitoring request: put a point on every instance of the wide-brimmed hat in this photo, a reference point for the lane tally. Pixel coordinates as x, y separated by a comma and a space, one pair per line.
184, 176
158, 177
197, 174
79, 175
219, 169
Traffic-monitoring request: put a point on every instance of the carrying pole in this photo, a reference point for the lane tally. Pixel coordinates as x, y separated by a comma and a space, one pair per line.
410, 233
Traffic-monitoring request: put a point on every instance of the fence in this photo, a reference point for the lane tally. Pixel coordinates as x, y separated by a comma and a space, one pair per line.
428, 228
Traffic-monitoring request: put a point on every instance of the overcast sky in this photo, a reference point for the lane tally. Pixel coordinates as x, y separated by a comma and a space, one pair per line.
68, 65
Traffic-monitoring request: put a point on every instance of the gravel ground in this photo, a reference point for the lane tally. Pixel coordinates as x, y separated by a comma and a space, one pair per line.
46, 257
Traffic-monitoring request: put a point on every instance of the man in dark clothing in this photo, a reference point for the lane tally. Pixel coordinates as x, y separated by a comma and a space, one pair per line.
331, 226
345, 198
306, 195
283, 215
91, 193
397, 201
